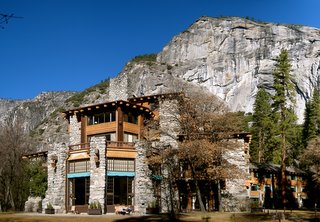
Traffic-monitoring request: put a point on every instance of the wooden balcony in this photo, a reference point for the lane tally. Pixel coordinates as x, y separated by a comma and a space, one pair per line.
120, 150
79, 147
120, 145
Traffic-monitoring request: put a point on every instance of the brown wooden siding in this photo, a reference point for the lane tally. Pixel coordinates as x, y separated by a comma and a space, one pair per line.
83, 129
119, 120
101, 128
119, 153
131, 128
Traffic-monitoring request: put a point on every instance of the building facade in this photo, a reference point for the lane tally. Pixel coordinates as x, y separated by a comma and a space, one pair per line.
105, 159
264, 186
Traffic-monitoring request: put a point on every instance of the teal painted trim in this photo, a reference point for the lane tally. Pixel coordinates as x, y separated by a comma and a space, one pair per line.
76, 175
121, 174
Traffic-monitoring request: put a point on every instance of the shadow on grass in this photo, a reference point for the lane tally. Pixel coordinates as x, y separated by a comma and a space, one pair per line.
155, 217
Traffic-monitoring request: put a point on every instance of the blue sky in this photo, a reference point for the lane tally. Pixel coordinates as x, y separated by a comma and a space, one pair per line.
70, 45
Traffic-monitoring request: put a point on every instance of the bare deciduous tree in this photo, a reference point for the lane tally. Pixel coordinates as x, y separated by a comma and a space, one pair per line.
205, 129
13, 144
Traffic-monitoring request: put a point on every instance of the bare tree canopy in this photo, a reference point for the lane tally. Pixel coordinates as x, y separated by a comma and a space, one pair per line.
205, 128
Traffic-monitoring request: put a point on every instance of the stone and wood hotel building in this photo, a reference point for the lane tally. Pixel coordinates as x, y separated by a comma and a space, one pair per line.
105, 158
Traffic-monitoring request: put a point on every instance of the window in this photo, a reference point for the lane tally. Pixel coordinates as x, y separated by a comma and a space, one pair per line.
79, 166
293, 189
254, 187
268, 175
130, 117
111, 136
129, 137
124, 165
293, 177
102, 118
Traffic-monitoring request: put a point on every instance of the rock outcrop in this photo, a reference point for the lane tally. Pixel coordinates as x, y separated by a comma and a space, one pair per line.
232, 57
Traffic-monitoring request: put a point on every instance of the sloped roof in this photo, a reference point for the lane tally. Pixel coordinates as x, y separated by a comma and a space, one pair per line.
274, 168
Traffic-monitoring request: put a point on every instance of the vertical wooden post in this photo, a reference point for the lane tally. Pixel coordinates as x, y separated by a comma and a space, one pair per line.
119, 121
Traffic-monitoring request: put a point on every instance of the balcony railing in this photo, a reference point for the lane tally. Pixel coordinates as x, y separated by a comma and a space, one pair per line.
120, 145
110, 144
80, 146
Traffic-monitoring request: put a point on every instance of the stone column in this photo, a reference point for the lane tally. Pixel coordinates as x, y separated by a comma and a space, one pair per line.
55, 194
235, 187
98, 170
143, 194
169, 129
74, 130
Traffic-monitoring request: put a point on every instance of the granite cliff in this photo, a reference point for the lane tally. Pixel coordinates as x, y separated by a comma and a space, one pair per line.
232, 57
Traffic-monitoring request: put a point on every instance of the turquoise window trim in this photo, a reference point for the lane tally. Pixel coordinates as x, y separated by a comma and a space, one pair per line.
77, 175
121, 174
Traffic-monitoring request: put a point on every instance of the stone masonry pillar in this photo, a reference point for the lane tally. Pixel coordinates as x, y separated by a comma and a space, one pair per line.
98, 170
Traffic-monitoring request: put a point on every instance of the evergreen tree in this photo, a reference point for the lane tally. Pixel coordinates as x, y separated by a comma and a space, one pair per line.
311, 127
261, 127
284, 116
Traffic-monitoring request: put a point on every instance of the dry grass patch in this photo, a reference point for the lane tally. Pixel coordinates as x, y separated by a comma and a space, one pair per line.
195, 217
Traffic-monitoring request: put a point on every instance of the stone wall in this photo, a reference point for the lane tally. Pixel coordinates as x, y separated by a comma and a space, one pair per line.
142, 182
32, 204
74, 130
169, 130
235, 195
55, 194
98, 170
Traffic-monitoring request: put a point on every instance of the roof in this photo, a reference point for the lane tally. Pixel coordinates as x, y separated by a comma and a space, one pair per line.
106, 106
275, 168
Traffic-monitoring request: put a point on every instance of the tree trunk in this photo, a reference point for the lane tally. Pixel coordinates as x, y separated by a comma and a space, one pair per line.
274, 193
219, 196
202, 208
283, 171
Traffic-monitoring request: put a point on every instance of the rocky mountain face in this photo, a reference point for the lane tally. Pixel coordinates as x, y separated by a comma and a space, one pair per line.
230, 57
34, 113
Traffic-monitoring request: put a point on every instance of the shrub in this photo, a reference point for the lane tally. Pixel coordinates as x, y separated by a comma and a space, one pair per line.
49, 206
95, 205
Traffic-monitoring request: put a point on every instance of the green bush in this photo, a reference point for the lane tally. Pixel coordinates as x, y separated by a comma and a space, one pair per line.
95, 205
145, 58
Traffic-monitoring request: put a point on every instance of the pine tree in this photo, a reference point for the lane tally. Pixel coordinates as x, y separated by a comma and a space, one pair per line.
311, 127
283, 101
261, 127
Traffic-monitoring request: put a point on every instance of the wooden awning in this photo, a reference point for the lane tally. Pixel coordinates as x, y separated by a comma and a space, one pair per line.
78, 156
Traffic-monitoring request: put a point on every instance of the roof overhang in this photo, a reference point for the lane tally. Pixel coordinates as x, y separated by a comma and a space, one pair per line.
108, 106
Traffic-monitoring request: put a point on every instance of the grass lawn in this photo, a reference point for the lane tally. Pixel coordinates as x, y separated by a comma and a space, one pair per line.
209, 217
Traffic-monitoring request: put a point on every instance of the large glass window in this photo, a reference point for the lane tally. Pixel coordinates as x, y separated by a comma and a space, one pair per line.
79, 166
124, 165
130, 117
129, 137
102, 118
119, 190
111, 136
